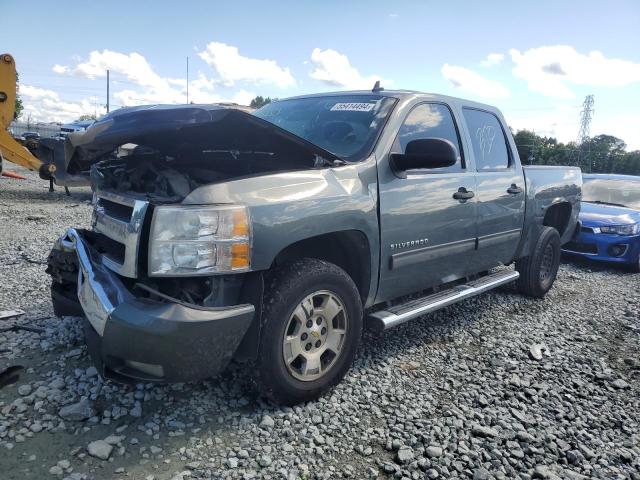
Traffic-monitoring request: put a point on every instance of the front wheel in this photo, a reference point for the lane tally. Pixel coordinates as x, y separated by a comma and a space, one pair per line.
312, 324
538, 271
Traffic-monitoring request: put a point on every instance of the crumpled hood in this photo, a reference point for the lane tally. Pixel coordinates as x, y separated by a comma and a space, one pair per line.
174, 129
597, 215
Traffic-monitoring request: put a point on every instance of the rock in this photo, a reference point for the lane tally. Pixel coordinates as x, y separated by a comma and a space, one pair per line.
77, 412
433, 452
264, 461
114, 439
100, 449
232, 462
91, 372
267, 422
24, 390
56, 470
482, 431
587, 452
64, 464
574, 457
620, 384
36, 427
136, 411
480, 474
538, 350
525, 437
404, 455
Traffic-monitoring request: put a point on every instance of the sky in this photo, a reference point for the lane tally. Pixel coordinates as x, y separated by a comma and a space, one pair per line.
534, 60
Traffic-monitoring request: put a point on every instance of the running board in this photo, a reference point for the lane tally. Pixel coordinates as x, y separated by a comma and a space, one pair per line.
399, 314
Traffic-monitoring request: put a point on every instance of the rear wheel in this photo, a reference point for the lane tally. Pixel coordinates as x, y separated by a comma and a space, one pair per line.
312, 324
539, 270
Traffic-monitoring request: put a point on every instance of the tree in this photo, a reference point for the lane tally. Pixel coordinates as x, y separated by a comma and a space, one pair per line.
259, 101
17, 109
600, 154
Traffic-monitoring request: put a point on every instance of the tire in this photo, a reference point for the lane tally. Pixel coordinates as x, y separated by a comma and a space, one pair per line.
296, 294
539, 270
63, 268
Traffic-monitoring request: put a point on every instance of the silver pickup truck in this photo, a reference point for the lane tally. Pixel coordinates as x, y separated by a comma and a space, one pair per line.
273, 237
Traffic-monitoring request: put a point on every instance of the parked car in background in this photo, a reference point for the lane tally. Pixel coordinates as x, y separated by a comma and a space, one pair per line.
77, 126
30, 135
610, 217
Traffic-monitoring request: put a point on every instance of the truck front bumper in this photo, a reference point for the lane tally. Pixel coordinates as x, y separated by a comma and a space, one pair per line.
138, 339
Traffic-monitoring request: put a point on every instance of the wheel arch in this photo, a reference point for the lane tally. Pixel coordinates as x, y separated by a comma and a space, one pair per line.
558, 216
348, 249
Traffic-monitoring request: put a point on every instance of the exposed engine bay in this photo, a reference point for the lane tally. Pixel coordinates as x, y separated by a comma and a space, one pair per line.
165, 153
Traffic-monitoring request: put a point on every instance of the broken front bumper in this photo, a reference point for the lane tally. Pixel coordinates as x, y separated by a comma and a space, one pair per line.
138, 339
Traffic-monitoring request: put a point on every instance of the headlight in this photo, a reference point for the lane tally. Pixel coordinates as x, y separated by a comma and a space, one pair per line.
630, 229
195, 240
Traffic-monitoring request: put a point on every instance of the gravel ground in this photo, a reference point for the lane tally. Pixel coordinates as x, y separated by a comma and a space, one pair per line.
496, 387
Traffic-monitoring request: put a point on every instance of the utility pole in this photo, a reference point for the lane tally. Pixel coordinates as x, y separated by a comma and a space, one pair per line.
586, 114
187, 79
107, 90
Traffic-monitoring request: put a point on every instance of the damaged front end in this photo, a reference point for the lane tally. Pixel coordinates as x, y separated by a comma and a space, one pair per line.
164, 298
152, 338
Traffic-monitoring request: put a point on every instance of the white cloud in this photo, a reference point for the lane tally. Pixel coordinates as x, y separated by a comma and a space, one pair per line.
36, 93
61, 69
550, 70
233, 67
493, 59
43, 105
562, 123
473, 83
334, 68
133, 66
147, 85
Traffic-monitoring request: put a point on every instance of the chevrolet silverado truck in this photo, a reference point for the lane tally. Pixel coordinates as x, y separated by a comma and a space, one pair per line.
273, 238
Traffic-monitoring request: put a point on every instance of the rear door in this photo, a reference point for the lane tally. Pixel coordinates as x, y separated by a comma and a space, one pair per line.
427, 235
500, 189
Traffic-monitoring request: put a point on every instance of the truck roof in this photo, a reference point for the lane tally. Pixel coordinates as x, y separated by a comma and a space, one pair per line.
403, 95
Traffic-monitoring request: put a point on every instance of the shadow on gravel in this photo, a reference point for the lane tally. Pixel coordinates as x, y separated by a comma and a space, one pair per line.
29, 193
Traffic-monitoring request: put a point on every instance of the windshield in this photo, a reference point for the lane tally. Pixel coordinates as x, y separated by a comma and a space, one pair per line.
617, 191
345, 125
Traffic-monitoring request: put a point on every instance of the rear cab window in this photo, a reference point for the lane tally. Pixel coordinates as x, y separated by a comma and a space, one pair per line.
488, 140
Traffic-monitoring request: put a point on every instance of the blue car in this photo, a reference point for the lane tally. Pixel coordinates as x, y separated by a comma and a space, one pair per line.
610, 220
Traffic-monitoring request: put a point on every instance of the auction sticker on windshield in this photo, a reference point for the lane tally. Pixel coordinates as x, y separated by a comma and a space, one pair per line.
353, 107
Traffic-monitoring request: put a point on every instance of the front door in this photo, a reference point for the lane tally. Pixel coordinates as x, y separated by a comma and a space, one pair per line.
427, 235
500, 190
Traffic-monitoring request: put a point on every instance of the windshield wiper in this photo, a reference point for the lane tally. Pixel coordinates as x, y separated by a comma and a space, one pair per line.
600, 202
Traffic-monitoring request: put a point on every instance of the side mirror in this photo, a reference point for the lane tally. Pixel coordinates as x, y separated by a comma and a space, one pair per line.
425, 153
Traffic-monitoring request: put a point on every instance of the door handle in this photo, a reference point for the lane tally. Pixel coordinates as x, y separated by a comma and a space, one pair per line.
514, 189
463, 194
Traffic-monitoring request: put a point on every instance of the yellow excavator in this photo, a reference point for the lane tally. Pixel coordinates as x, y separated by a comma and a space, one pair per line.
13, 151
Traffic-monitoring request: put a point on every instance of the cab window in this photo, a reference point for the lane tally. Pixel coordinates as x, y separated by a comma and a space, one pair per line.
431, 120
487, 139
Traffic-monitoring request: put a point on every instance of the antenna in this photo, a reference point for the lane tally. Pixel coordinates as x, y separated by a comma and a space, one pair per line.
377, 87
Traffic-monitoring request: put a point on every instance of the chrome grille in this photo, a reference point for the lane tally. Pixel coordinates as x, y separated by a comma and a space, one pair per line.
120, 219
